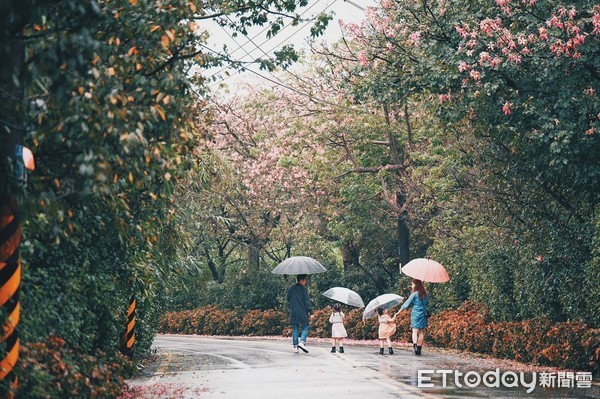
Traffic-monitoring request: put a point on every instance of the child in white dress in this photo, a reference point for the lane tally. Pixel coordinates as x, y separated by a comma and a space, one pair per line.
338, 331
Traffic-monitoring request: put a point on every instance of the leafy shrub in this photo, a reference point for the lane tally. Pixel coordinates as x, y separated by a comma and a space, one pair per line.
267, 322
50, 369
570, 345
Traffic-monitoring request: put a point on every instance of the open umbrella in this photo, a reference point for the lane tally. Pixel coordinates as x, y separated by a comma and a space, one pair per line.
299, 265
345, 295
426, 270
386, 300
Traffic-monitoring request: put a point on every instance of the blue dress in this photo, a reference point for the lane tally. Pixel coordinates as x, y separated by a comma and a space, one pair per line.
418, 319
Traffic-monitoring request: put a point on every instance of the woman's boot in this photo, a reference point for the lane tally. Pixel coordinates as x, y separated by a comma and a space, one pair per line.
381, 351
415, 348
341, 349
418, 352
391, 350
333, 349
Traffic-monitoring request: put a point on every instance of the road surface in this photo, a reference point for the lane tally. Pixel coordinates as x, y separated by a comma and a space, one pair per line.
265, 368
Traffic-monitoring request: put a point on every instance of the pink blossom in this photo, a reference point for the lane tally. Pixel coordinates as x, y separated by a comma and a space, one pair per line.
507, 108
464, 30
484, 57
522, 41
446, 97
590, 132
513, 57
488, 26
463, 66
590, 91
554, 22
362, 59
415, 38
475, 75
504, 4
596, 20
543, 33
539, 258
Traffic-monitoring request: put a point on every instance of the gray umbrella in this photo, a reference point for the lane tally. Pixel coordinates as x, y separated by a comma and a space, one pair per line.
299, 265
345, 295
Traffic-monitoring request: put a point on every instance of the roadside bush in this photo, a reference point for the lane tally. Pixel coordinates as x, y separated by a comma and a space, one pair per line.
568, 345
263, 322
51, 370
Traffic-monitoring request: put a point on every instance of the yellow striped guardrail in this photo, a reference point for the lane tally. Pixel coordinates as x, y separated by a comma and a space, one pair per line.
129, 336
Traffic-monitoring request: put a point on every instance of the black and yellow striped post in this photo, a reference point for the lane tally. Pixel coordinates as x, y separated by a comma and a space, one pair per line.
129, 337
10, 280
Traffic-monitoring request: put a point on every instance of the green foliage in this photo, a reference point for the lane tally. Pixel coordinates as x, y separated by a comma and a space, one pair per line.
51, 369
592, 276
101, 91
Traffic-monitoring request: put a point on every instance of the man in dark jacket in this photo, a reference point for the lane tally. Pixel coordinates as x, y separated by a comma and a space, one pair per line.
300, 312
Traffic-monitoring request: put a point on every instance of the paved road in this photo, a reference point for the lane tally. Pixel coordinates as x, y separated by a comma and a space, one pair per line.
205, 367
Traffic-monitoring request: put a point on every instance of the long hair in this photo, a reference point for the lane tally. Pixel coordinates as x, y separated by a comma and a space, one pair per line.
420, 288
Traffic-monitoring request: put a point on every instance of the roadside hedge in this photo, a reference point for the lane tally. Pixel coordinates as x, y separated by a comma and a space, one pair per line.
568, 345
50, 369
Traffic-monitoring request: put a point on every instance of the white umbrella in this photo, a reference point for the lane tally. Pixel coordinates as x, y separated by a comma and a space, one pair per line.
345, 295
299, 265
386, 300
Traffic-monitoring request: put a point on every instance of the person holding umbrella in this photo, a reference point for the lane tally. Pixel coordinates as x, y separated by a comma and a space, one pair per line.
300, 312
419, 300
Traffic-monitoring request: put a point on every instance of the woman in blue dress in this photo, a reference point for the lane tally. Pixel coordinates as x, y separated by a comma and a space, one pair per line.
419, 300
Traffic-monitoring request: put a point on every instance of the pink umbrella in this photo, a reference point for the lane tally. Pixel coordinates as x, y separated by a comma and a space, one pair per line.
28, 160
426, 270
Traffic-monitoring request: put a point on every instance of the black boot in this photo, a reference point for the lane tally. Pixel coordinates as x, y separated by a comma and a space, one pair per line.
333, 349
418, 350
415, 348
391, 350
341, 349
381, 351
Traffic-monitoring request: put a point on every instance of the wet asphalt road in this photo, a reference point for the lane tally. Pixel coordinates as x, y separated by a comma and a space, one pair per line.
245, 367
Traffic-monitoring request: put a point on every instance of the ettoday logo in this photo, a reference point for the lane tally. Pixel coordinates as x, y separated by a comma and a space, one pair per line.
507, 379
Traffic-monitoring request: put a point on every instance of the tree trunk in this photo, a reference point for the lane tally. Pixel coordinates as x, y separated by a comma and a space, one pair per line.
253, 258
403, 233
350, 256
397, 155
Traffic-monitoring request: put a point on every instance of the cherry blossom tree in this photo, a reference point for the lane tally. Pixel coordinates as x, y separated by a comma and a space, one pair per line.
515, 83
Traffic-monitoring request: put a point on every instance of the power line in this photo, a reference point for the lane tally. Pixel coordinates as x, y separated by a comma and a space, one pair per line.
278, 82
250, 40
275, 80
258, 47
